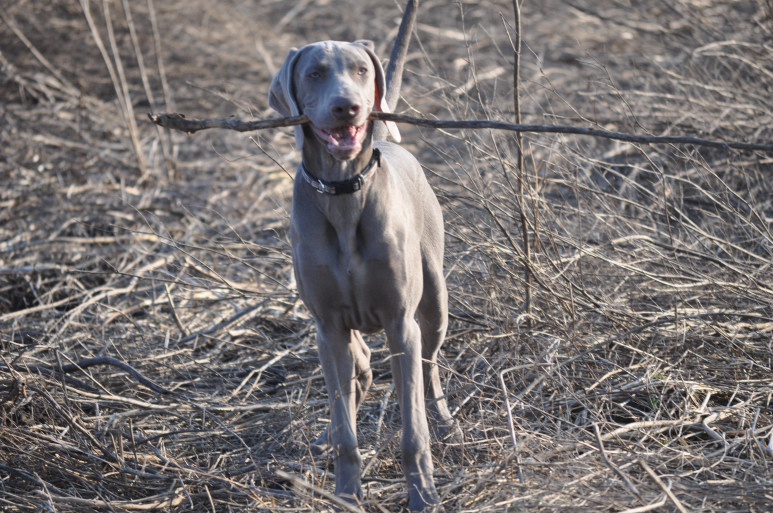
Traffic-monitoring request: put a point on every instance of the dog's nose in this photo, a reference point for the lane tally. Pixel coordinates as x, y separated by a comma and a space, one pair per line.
344, 108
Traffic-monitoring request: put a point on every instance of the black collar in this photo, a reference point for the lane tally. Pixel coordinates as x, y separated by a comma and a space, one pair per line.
349, 186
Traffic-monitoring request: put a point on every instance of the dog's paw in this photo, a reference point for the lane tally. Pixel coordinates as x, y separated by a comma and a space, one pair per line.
321, 445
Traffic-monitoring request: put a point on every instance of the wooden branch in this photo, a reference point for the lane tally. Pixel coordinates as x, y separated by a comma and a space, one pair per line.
567, 129
662, 485
613, 467
179, 122
49, 370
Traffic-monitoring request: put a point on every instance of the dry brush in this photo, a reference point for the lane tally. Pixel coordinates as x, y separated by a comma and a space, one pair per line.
154, 355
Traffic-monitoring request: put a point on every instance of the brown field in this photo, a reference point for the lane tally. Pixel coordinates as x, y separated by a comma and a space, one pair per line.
154, 354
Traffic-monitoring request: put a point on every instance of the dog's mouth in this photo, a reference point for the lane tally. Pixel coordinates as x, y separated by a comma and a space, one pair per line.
342, 141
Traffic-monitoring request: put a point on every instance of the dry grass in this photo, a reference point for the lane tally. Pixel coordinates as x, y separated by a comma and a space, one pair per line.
641, 381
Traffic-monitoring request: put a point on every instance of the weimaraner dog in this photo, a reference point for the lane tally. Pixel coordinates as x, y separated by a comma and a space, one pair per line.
367, 244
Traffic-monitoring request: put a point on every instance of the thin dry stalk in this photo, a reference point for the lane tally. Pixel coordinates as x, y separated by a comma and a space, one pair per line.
117, 77
64, 84
662, 485
521, 161
164, 139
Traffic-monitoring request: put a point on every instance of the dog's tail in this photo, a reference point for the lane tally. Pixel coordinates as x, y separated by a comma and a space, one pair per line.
394, 71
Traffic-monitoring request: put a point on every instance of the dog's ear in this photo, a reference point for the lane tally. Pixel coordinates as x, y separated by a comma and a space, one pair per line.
367, 43
281, 95
380, 85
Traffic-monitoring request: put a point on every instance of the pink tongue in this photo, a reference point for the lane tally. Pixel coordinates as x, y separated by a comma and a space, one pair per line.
344, 136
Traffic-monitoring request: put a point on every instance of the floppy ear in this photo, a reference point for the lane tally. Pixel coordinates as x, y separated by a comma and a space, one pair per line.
281, 95
380, 101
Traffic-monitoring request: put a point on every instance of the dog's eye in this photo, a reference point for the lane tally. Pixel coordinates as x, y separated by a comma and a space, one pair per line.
362, 71
315, 74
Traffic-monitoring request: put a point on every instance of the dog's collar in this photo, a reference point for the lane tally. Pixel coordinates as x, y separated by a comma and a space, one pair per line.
349, 186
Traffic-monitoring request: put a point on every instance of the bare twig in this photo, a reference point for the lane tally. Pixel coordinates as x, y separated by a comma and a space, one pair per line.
259, 371
163, 138
48, 370
175, 315
521, 161
156, 503
220, 325
315, 490
74, 423
615, 469
122, 89
648, 507
510, 423
117, 76
654, 425
65, 85
662, 485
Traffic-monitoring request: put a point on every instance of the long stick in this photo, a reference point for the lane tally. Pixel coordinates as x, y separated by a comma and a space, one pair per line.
179, 122
568, 129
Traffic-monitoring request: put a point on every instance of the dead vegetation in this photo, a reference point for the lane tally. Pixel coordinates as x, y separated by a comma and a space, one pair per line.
155, 355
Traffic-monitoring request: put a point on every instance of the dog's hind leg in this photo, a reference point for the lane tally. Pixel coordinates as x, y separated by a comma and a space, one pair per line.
404, 342
433, 322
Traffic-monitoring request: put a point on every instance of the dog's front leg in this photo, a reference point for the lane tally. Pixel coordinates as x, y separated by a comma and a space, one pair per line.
338, 353
405, 347
322, 445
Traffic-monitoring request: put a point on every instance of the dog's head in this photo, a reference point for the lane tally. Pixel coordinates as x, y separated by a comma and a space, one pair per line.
337, 85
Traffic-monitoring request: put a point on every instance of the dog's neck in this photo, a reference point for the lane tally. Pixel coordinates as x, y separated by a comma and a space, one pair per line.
319, 162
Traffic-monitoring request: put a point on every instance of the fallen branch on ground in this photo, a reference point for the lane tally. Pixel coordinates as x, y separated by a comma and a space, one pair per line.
180, 122
49, 370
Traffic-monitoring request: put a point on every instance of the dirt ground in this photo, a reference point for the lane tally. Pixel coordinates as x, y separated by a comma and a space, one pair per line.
154, 354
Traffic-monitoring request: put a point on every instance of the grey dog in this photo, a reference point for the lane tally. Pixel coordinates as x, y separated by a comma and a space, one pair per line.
367, 245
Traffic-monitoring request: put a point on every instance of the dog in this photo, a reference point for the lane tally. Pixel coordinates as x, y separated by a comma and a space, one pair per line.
367, 246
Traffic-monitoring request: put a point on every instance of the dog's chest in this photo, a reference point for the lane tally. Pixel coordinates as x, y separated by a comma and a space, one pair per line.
354, 272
